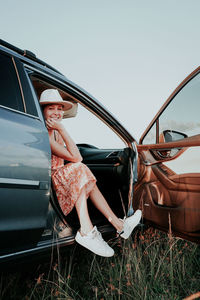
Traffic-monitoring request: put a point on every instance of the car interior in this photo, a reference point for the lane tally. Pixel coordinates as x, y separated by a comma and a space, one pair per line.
169, 193
169, 197
111, 168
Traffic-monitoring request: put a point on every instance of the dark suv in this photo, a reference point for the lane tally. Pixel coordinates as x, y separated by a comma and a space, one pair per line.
160, 174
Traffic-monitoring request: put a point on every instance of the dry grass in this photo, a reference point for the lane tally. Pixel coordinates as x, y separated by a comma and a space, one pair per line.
150, 265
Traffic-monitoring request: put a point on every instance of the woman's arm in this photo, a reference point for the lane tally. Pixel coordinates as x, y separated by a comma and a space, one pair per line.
70, 152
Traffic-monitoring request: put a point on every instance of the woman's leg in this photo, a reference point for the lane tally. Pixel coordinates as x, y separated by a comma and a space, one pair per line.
88, 236
101, 204
82, 211
126, 226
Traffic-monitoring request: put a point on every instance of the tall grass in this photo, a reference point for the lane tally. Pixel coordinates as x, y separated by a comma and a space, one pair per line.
150, 265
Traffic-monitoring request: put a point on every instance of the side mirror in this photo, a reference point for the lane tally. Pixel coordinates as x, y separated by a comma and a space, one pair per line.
171, 136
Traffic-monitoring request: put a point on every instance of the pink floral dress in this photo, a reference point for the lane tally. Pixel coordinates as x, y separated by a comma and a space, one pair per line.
69, 180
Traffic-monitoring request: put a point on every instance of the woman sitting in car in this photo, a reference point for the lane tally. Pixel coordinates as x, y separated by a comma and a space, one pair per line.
74, 182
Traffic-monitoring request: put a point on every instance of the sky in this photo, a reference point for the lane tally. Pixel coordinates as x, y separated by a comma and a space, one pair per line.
128, 54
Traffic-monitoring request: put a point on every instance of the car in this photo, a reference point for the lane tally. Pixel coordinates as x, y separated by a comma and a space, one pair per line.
160, 174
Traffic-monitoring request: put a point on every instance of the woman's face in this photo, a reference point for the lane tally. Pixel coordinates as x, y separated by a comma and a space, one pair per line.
53, 111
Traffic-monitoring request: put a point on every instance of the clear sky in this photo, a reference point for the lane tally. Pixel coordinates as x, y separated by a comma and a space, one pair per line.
129, 54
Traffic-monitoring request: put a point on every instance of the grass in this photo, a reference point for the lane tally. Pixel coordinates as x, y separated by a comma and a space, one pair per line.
150, 265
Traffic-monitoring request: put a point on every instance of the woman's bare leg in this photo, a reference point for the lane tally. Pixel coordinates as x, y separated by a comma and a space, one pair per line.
82, 211
101, 204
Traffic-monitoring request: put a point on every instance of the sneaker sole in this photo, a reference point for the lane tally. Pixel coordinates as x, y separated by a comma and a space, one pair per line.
93, 250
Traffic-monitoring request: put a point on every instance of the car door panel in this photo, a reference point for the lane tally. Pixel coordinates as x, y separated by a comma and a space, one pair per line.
170, 195
178, 195
191, 141
24, 179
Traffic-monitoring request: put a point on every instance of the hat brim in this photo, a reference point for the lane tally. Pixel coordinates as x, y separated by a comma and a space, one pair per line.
66, 104
70, 113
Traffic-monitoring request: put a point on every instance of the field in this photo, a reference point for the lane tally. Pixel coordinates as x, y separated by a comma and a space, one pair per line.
150, 265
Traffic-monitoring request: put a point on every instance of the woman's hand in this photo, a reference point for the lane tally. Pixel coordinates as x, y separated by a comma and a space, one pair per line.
53, 124
71, 151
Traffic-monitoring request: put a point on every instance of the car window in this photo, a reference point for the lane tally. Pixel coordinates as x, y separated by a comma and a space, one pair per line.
181, 116
86, 128
27, 89
10, 95
150, 138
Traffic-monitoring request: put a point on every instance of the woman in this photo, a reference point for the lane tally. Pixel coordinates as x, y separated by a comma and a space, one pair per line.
74, 182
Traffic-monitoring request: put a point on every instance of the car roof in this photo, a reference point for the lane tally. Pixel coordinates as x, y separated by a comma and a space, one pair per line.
30, 59
26, 53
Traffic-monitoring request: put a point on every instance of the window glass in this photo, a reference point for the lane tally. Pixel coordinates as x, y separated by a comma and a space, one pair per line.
10, 95
28, 94
86, 128
182, 114
150, 138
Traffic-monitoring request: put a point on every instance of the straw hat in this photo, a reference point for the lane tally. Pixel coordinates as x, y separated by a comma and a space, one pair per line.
52, 96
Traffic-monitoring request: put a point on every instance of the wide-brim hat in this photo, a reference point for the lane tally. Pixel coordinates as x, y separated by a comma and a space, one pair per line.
52, 96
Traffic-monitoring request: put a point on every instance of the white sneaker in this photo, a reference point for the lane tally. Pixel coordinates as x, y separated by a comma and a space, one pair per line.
95, 243
130, 223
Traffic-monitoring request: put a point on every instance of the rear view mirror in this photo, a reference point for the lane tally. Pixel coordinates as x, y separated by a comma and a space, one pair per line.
171, 136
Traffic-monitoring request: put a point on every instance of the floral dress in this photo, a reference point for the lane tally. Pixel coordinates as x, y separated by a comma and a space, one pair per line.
69, 180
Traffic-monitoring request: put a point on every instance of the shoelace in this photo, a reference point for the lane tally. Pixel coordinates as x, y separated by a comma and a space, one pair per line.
98, 235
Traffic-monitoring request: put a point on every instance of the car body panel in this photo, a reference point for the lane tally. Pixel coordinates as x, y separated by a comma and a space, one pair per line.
25, 160
24, 182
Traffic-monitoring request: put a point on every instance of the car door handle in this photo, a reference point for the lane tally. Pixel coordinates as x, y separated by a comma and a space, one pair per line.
23, 183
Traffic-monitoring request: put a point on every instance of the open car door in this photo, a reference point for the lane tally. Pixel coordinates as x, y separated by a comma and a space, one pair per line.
168, 188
